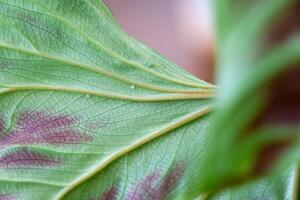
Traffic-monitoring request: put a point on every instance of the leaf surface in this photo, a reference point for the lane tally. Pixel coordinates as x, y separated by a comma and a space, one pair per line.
89, 113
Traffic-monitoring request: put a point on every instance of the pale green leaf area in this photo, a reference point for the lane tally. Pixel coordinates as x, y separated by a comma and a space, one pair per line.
89, 113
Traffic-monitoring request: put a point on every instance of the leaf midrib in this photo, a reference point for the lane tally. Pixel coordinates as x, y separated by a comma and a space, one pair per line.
140, 98
100, 71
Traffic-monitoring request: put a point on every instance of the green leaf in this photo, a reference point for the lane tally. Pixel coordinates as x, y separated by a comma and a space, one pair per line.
89, 113
254, 79
281, 187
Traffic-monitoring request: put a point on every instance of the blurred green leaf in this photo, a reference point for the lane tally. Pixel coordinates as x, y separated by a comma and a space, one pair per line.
280, 187
249, 74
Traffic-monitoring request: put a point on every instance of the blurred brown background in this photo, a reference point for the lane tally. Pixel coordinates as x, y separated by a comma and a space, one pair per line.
182, 30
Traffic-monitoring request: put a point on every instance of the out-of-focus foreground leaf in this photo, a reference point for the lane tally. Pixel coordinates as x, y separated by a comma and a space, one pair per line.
89, 113
281, 187
258, 116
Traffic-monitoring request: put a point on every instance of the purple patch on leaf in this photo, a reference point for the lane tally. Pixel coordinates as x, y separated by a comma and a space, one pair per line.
6, 197
110, 194
171, 180
157, 186
41, 127
25, 158
143, 188
2, 125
